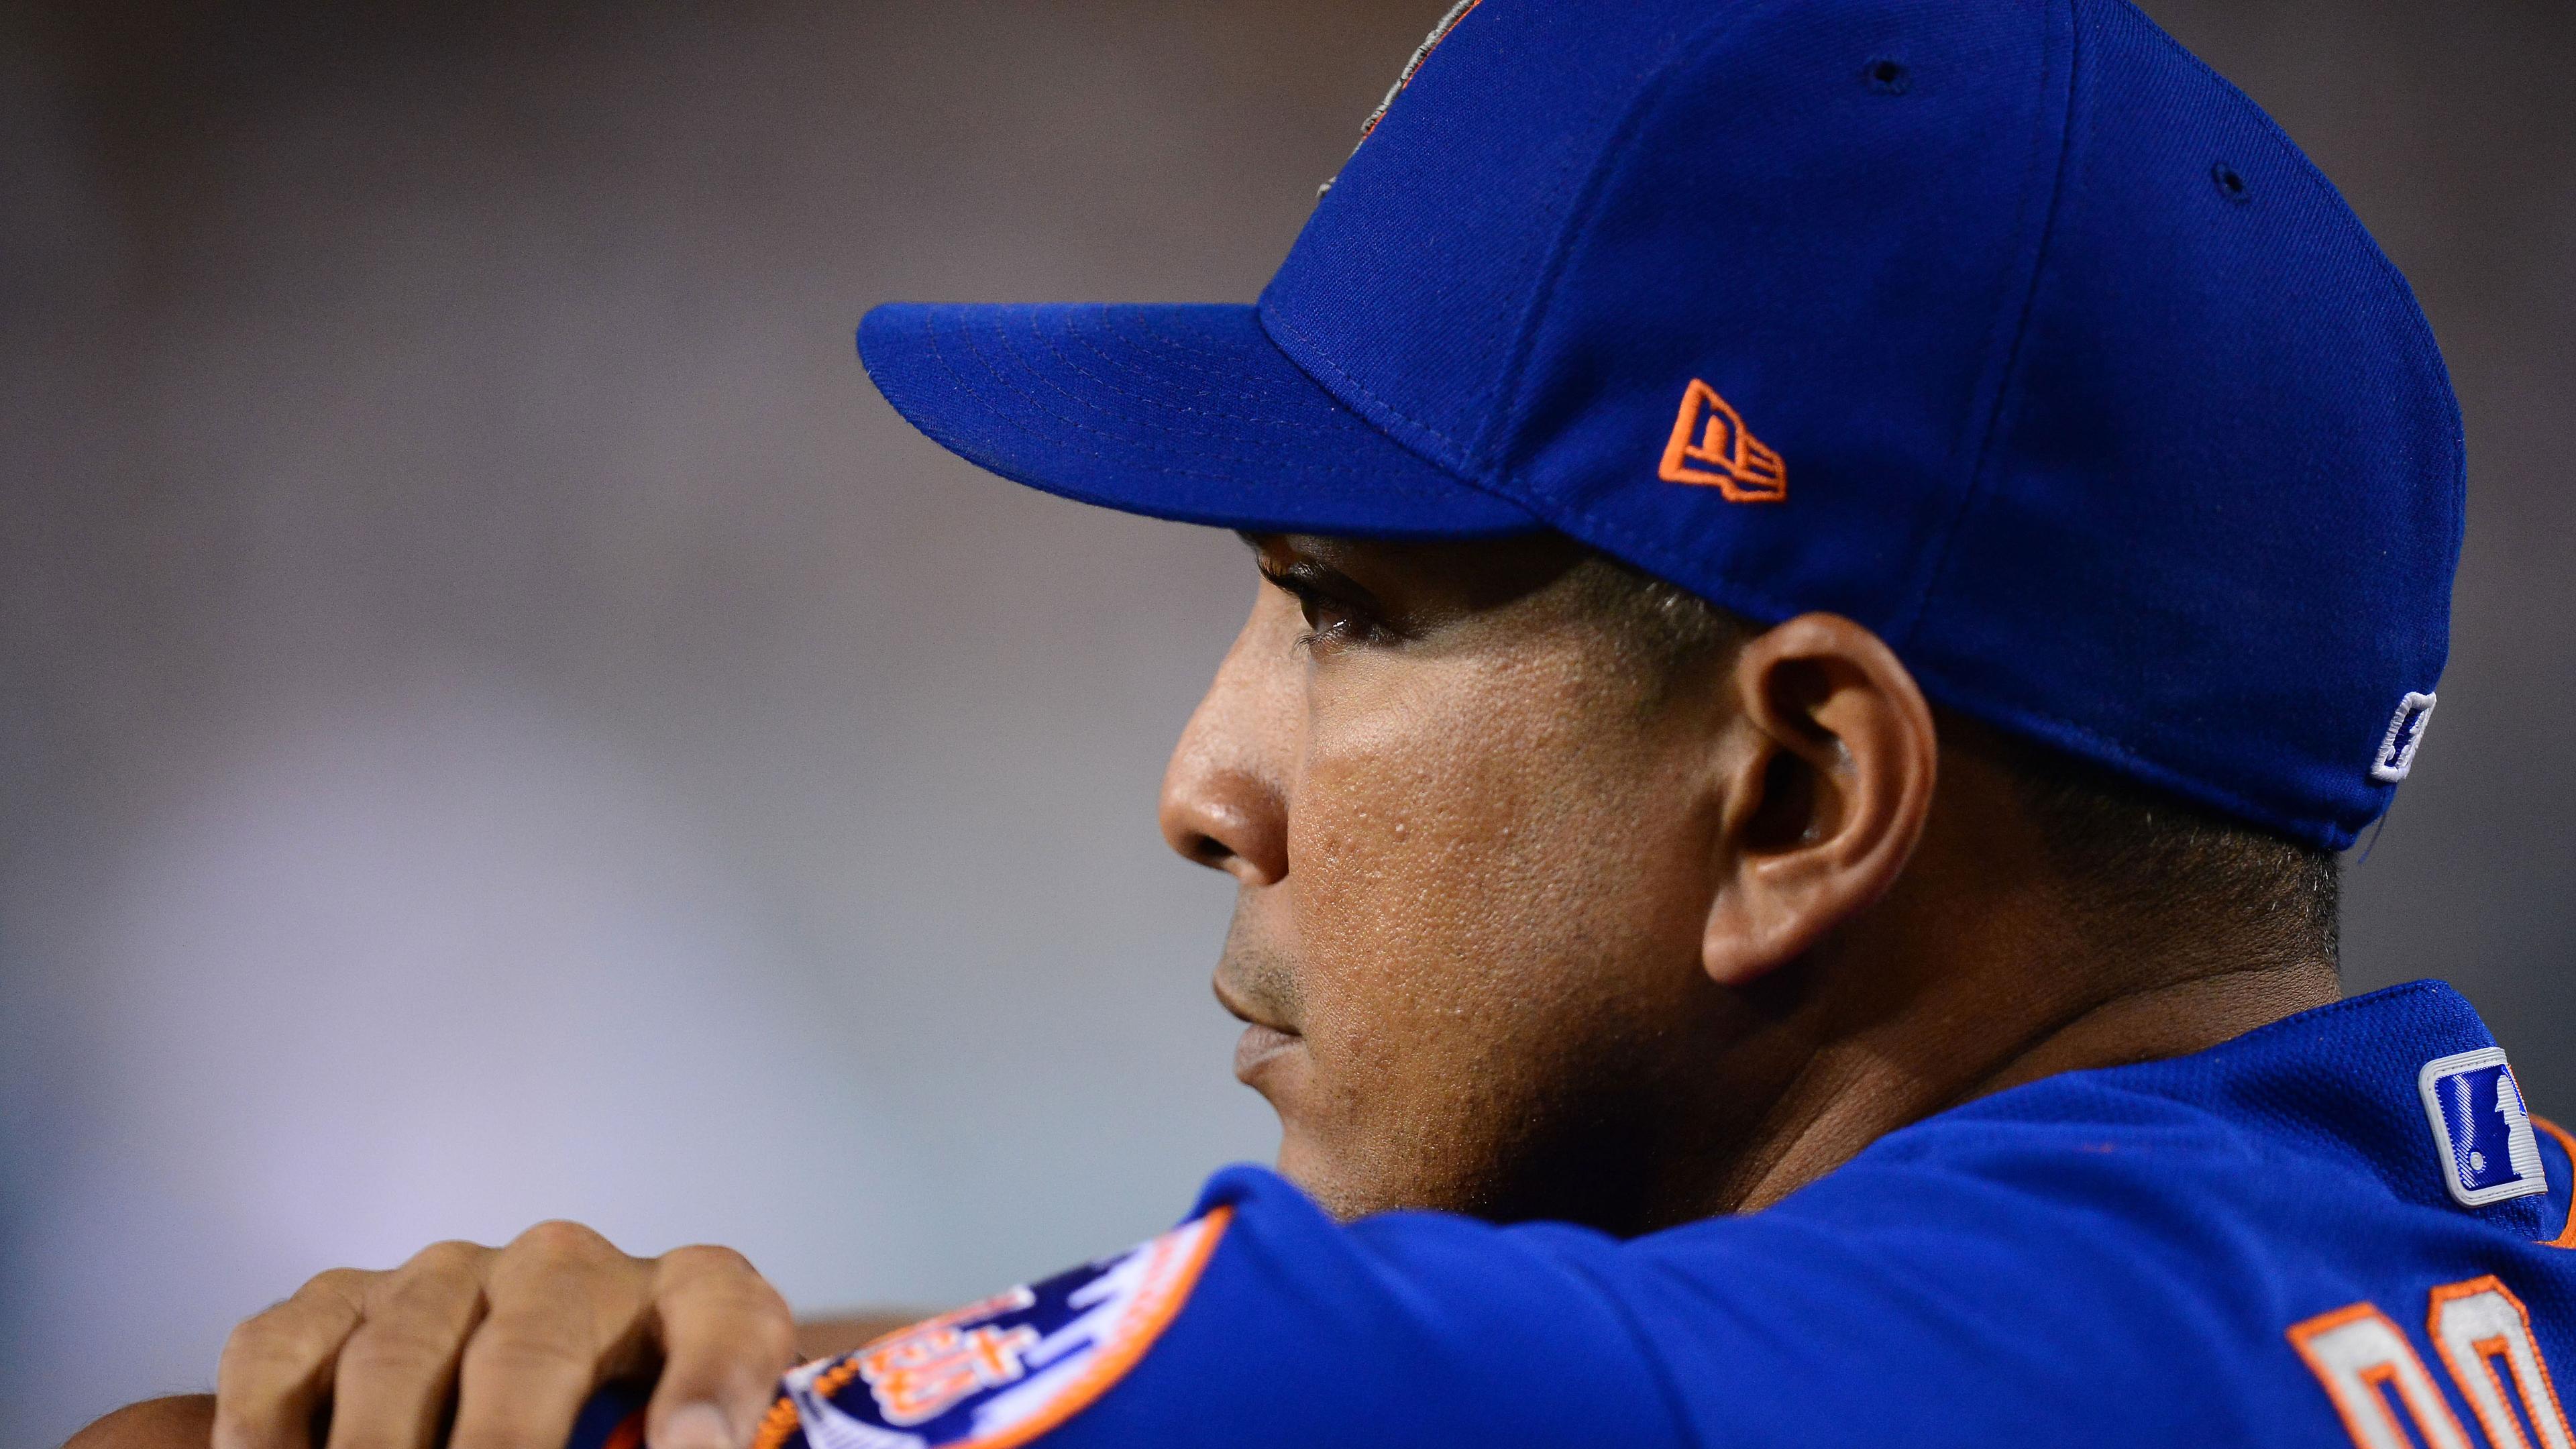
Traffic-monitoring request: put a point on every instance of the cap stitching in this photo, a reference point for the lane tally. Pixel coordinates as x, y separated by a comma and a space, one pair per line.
1190, 359
1014, 473
1285, 425
1494, 399
1578, 224
1039, 338
2416, 321
1910, 616
1399, 414
1147, 424
1331, 399
1108, 315
1114, 321
1491, 487
994, 463
1036, 402
960, 383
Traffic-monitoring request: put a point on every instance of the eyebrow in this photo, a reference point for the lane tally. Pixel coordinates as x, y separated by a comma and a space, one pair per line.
1303, 572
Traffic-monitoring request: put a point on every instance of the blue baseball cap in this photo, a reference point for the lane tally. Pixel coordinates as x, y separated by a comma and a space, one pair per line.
2004, 327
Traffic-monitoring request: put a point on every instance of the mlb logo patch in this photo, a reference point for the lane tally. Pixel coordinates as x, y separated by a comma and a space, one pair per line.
2481, 1130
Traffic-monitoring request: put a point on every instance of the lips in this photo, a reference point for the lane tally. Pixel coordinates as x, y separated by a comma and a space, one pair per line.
1257, 1046
1263, 1039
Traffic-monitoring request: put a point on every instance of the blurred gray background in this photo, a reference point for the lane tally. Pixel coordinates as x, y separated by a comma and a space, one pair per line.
498, 721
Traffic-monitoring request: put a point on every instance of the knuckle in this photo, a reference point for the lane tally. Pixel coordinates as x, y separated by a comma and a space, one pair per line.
395, 1349
257, 1341
254, 1335
513, 1355
706, 1260
743, 1323
726, 1288
774, 1337
452, 1258
334, 1286
292, 1332
252, 1357
559, 1238
441, 1288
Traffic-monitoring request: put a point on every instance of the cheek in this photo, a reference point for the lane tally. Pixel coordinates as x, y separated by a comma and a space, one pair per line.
1486, 867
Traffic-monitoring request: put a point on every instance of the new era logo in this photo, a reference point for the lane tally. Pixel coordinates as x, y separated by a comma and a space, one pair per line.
2481, 1130
1711, 446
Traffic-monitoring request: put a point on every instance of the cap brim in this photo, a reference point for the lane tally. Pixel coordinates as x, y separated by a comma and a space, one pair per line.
1181, 412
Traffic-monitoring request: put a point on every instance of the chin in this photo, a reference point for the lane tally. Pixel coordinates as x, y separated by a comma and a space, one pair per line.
1300, 1163
1350, 1184
1338, 1190
1592, 1173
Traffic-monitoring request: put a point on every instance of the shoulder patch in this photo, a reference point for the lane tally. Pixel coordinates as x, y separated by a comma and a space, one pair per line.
2481, 1129
1002, 1371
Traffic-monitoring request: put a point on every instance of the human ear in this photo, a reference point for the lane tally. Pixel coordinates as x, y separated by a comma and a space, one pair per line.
1827, 780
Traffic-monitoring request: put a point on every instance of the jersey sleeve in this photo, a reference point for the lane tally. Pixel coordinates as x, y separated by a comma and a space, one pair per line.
1260, 1321
1408, 1328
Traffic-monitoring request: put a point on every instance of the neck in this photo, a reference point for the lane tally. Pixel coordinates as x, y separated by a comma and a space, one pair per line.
1854, 1089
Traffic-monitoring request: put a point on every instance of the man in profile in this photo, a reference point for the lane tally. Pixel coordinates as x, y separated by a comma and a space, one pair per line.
1834, 578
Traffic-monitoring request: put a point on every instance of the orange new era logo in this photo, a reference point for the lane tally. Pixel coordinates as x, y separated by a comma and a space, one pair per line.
1711, 446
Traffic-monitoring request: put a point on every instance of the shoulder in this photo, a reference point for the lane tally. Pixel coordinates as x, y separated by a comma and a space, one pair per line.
1260, 1320
2083, 1261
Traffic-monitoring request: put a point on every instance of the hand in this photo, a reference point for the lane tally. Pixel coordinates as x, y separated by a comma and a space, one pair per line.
517, 1337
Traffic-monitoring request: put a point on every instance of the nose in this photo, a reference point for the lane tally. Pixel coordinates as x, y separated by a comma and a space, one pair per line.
1225, 798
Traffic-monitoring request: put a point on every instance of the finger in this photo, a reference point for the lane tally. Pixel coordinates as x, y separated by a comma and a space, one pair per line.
726, 1336
398, 1367
562, 1311
277, 1366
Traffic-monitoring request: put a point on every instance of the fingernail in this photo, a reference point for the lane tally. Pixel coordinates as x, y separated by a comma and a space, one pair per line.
696, 1426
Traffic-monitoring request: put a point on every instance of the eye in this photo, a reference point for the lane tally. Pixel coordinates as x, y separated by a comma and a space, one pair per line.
1333, 621
1329, 621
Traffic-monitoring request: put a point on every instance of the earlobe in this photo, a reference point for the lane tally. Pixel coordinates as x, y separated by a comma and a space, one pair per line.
1828, 783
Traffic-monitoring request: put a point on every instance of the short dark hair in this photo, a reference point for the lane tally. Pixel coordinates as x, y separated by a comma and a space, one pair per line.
2127, 850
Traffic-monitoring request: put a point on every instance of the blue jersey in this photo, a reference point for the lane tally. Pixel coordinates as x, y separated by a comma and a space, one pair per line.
2342, 1229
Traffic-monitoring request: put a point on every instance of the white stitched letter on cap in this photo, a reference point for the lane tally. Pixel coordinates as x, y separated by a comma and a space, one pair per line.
2405, 734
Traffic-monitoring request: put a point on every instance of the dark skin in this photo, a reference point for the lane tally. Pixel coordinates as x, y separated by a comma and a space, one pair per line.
1525, 927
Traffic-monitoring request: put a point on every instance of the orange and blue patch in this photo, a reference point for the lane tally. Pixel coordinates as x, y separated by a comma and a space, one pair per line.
1001, 1371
